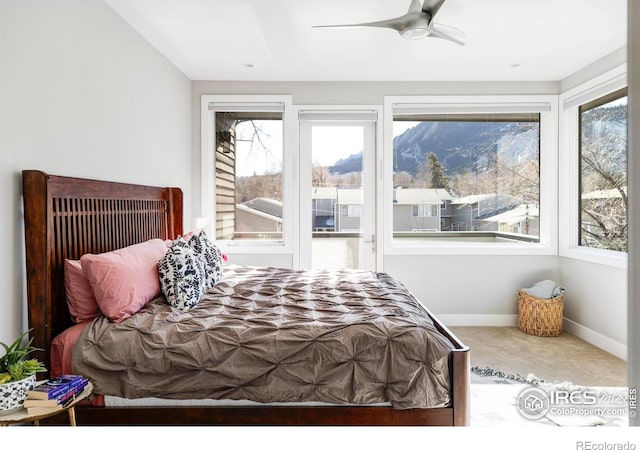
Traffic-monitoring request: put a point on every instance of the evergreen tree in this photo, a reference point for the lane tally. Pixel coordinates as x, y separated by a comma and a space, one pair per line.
438, 177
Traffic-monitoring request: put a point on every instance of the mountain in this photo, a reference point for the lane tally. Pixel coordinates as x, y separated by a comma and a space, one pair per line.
604, 141
473, 146
460, 146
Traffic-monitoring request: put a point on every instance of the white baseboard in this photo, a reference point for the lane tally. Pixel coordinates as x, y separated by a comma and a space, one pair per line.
479, 320
511, 320
599, 340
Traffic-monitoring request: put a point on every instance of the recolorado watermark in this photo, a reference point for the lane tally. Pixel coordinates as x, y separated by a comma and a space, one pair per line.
534, 403
590, 445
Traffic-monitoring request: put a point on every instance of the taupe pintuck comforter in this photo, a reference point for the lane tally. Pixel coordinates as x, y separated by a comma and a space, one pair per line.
276, 335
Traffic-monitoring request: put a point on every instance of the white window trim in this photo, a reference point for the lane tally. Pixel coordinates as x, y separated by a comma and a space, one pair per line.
207, 174
570, 102
548, 105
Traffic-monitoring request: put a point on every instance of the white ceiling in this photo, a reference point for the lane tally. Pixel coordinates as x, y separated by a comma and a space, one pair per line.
545, 40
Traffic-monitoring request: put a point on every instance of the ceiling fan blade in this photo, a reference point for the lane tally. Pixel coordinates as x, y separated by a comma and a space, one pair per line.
431, 7
415, 7
447, 32
394, 24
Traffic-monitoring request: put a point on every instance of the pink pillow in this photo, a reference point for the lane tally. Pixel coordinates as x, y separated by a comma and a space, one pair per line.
80, 299
125, 280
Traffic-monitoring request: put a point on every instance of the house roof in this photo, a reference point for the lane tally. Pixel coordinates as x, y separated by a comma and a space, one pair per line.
488, 204
515, 215
255, 212
420, 196
267, 206
471, 199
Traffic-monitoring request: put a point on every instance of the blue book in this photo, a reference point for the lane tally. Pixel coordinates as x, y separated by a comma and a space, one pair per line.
54, 388
62, 400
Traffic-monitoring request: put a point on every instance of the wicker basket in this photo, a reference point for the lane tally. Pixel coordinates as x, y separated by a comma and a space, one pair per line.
540, 316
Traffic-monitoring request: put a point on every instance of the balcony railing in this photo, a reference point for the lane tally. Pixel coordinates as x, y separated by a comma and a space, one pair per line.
406, 236
463, 236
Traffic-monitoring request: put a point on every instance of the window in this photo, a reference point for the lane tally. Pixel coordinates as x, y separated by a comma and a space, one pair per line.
592, 170
246, 154
603, 172
425, 210
352, 210
487, 166
249, 149
474, 173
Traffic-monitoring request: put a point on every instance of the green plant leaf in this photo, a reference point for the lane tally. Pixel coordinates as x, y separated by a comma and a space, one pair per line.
15, 361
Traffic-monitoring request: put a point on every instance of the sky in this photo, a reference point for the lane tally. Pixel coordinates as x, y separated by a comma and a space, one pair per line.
329, 144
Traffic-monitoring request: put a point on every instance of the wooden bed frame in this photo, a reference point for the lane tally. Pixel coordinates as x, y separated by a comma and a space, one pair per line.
68, 217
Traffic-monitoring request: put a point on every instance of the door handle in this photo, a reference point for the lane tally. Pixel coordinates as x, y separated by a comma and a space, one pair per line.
371, 241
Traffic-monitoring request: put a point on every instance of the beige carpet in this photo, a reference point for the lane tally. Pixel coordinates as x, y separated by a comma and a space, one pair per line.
562, 358
554, 359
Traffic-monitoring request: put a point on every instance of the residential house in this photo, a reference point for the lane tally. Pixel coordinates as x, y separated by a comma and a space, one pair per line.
523, 219
469, 213
420, 209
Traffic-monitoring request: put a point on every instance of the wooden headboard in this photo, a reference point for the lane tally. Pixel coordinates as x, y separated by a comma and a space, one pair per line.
67, 217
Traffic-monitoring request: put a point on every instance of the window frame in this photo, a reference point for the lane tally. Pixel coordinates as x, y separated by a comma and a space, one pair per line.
546, 106
352, 210
207, 174
569, 165
422, 207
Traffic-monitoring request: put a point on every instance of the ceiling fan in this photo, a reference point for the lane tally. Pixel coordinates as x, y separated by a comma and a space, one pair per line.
415, 24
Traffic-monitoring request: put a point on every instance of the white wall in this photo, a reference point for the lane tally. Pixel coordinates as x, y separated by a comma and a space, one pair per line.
81, 94
596, 298
471, 290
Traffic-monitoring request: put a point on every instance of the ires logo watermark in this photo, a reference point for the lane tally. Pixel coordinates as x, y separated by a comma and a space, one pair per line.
534, 402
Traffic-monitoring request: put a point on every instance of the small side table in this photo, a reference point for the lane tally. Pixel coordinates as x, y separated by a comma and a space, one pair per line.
22, 416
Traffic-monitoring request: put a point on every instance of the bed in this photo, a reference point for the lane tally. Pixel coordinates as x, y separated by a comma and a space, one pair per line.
67, 217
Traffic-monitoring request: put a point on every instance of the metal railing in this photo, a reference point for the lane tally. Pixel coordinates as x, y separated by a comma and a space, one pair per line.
435, 236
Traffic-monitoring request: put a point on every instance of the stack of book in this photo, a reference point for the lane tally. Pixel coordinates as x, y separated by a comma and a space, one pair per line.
54, 394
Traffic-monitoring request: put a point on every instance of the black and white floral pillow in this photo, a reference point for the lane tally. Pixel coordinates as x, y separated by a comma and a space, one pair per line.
211, 255
182, 276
